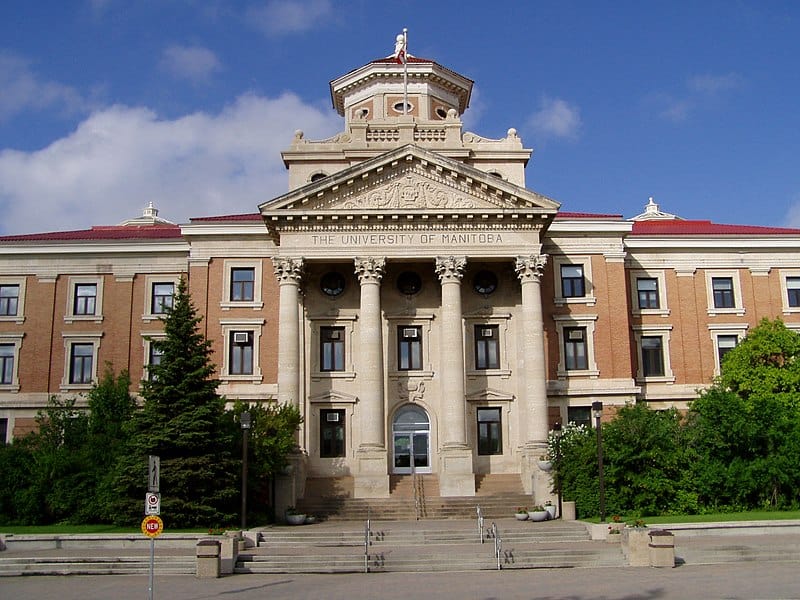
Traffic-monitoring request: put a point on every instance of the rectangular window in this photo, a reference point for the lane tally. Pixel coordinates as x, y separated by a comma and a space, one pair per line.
487, 347
409, 348
3, 431
153, 359
9, 300
490, 438
163, 294
575, 357
723, 292
652, 356
6, 364
242, 284
241, 353
572, 282
792, 290
331, 349
85, 299
647, 288
331, 433
580, 415
725, 343
80, 363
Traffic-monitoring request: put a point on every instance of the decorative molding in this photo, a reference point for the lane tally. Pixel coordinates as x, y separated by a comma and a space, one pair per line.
450, 269
369, 269
530, 268
288, 270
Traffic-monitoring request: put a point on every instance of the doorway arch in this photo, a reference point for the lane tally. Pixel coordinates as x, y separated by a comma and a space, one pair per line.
411, 440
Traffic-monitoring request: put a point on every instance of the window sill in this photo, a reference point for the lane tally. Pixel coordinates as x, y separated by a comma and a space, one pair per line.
20, 319
587, 300
333, 375
659, 312
504, 373
83, 319
256, 378
713, 312
411, 374
9, 387
591, 374
74, 387
243, 304
661, 379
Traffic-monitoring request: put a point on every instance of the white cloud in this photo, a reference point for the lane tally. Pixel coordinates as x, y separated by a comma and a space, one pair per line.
23, 90
714, 84
556, 118
278, 17
120, 158
793, 214
702, 93
194, 63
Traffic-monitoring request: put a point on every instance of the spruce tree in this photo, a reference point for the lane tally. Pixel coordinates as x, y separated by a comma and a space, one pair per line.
183, 422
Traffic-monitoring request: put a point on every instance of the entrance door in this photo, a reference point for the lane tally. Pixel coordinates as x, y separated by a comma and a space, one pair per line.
411, 441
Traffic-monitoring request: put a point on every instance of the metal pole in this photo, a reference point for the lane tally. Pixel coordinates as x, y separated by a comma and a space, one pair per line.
597, 409
405, 72
557, 430
152, 568
244, 420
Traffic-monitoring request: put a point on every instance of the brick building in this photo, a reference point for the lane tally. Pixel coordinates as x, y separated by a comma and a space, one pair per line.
422, 307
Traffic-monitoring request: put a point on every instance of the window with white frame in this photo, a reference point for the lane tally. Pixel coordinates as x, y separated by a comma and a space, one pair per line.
331, 348
332, 433
9, 299
408, 355
652, 343
10, 344
573, 280
648, 292
576, 345
80, 360
724, 293
488, 337
790, 288
154, 358
330, 352
490, 431
242, 338
725, 337
242, 285
162, 297
487, 347
85, 299
409, 348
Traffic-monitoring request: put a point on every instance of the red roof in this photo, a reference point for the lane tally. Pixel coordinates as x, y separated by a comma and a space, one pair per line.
683, 227
112, 232
218, 218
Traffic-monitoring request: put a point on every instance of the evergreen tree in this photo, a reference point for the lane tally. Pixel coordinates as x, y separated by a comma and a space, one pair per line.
183, 422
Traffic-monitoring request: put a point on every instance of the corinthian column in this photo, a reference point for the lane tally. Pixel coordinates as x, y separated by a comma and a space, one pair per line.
370, 369
456, 477
289, 272
372, 467
533, 403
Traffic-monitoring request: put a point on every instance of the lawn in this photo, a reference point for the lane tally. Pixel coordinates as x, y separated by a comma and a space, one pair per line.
755, 515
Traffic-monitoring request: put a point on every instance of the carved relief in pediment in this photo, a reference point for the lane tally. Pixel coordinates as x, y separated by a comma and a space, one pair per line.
410, 193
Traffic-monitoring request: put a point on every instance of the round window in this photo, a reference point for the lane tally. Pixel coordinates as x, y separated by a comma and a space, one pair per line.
441, 112
332, 284
398, 107
409, 283
485, 282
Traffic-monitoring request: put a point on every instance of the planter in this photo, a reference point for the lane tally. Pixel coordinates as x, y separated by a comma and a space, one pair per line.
551, 511
521, 516
545, 465
614, 538
295, 519
538, 515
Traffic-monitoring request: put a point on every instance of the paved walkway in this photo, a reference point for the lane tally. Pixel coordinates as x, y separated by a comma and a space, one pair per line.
746, 581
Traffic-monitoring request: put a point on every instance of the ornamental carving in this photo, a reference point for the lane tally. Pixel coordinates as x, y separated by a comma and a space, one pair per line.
369, 269
409, 392
450, 268
530, 268
410, 193
288, 270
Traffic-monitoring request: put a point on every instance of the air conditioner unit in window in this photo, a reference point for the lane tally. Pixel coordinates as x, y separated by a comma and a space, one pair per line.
411, 332
576, 335
488, 332
334, 334
333, 417
241, 337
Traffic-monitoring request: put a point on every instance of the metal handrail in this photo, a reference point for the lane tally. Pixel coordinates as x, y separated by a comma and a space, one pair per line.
415, 489
367, 534
498, 544
480, 523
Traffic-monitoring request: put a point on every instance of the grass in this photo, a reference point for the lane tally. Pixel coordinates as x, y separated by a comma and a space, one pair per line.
755, 515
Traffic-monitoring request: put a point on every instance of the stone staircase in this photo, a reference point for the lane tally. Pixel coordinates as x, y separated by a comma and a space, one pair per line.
332, 499
96, 565
426, 546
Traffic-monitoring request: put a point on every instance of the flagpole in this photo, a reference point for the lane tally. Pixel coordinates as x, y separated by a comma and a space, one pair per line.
405, 71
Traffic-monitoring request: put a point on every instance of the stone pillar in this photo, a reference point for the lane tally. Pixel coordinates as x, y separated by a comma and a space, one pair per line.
533, 402
289, 272
372, 470
456, 477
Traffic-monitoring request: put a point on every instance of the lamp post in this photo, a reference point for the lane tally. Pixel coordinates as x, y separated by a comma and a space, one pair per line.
597, 413
244, 421
557, 436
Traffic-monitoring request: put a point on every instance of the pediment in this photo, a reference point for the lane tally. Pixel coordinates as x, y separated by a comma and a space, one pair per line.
409, 180
333, 397
490, 395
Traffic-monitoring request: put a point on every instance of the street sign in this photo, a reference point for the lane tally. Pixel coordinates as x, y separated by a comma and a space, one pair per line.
152, 526
152, 504
153, 474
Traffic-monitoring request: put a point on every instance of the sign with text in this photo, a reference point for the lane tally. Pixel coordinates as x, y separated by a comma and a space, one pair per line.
152, 526
152, 504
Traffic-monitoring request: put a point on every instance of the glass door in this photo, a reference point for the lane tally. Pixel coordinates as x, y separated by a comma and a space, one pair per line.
411, 441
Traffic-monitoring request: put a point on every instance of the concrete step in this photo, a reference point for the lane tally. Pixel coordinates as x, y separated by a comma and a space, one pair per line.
94, 565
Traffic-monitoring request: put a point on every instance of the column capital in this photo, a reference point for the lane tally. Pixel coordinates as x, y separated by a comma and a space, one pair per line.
450, 268
288, 270
369, 269
530, 268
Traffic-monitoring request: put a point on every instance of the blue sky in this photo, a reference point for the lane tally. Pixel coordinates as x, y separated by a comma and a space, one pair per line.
106, 105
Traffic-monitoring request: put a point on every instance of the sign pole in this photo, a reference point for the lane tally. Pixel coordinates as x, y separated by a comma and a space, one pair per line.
152, 567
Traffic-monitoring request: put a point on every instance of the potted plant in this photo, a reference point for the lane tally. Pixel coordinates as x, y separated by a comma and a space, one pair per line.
522, 513
551, 510
538, 513
544, 463
294, 517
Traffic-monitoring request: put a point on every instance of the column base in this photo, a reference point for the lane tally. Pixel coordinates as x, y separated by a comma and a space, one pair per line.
457, 477
535, 481
371, 479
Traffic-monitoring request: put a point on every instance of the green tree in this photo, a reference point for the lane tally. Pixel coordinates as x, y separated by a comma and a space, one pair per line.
183, 422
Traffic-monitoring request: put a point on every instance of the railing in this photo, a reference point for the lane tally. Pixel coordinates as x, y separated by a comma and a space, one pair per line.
367, 535
417, 487
498, 545
480, 523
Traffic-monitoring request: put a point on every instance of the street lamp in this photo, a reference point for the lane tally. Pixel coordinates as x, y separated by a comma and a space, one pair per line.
244, 421
557, 436
597, 413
